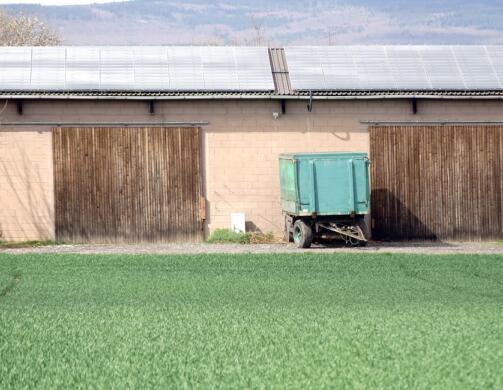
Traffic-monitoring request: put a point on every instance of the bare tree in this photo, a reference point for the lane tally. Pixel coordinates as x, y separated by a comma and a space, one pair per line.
23, 30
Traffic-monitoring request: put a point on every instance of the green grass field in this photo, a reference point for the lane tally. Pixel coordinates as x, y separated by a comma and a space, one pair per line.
260, 321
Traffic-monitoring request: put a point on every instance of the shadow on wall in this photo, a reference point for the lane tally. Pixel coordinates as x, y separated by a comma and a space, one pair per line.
392, 220
27, 212
251, 227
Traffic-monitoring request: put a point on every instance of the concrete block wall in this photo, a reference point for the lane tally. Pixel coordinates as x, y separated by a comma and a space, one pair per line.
26, 185
242, 161
241, 145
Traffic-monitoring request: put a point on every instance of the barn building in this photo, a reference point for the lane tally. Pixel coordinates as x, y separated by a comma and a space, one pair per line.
133, 144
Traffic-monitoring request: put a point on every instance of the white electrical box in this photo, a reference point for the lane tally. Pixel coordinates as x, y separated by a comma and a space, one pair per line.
238, 222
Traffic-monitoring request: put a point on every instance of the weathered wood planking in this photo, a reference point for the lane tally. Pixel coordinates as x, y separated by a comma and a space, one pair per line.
441, 182
127, 184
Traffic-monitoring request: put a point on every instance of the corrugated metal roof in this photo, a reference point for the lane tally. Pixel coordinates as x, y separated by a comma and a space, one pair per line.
135, 69
400, 68
280, 72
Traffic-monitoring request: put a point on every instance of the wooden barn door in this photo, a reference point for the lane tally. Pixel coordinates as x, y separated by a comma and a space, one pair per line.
127, 184
442, 182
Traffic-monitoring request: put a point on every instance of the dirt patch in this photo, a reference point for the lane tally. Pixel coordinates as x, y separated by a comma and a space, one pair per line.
420, 247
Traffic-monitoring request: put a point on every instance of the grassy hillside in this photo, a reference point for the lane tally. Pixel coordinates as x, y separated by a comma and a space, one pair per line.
281, 22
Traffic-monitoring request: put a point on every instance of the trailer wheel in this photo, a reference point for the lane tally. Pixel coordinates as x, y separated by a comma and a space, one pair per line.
302, 234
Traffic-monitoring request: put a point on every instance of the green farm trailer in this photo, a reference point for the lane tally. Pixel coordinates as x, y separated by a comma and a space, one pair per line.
325, 196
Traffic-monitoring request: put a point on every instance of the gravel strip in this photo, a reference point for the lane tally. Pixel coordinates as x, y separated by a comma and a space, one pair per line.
424, 247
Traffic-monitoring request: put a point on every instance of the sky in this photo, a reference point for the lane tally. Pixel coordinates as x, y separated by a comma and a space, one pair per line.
56, 2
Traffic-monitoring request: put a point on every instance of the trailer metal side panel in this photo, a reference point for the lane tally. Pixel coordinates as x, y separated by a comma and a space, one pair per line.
288, 185
325, 183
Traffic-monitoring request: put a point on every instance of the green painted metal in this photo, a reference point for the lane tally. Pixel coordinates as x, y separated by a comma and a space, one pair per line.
324, 183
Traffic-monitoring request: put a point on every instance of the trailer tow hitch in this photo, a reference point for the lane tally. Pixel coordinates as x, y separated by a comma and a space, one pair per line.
351, 234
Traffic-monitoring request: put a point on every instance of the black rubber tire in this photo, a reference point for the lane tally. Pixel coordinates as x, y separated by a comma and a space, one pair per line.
364, 227
302, 234
365, 230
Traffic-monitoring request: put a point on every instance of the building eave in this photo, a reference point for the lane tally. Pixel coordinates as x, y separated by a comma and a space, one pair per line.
265, 95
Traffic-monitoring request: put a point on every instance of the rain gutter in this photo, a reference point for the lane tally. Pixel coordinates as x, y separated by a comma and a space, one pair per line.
247, 97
